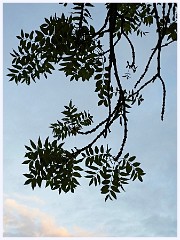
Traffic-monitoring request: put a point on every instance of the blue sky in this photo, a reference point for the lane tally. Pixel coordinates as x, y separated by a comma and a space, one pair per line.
146, 209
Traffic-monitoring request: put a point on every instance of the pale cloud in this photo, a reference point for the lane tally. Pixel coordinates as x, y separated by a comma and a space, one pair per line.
21, 220
33, 199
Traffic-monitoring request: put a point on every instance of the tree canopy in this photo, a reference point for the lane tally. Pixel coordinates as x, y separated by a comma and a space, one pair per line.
73, 44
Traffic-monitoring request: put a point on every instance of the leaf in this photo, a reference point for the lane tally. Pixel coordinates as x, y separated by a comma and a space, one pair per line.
91, 151
102, 174
26, 35
91, 181
76, 174
105, 103
132, 174
13, 70
89, 5
83, 155
99, 179
28, 175
100, 102
107, 176
28, 181
96, 150
126, 156
77, 168
13, 55
113, 194
87, 152
33, 183
73, 110
40, 35
75, 181
47, 20
95, 181
107, 196
135, 176
89, 176
22, 33
98, 76
90, 172
39, 181
16, 53
131, 158
102, 149
33, 144
128, 168
54, 143
105, 182
39, 143
136, 164
122, 188
28, 148
31, 35
17, 66
48, 65
37, 165
92, 31
105, 189
124, 174
139, 170
140, 178
115, 189
46, 143
26, 162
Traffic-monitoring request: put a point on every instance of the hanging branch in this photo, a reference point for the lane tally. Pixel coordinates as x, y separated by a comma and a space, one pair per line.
81, 56
147, 66
132, 65
161, 34
103, 132
112, 23
122, 102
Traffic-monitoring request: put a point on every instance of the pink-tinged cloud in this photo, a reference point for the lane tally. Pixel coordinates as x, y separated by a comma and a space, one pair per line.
24, 221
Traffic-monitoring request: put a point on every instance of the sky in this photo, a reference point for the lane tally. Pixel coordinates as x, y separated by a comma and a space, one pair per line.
147, 209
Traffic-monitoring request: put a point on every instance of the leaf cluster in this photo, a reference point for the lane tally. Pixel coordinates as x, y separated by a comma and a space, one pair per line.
72, 122
110, 174
52, 164
58, 40
60, 168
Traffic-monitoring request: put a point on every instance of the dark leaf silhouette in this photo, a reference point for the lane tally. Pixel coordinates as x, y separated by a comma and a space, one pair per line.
75, 45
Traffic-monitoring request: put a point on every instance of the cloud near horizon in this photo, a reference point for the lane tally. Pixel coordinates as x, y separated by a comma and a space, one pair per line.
21, 220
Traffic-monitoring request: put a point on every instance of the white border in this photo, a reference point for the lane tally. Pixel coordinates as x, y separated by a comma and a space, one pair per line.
1, 118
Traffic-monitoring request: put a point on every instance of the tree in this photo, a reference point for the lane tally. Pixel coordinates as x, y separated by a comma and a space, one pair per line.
76, 46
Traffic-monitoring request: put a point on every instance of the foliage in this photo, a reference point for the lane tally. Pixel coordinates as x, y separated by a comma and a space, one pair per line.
76, 46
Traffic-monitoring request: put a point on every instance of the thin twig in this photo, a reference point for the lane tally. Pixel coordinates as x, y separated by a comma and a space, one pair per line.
132, 49
164, 98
